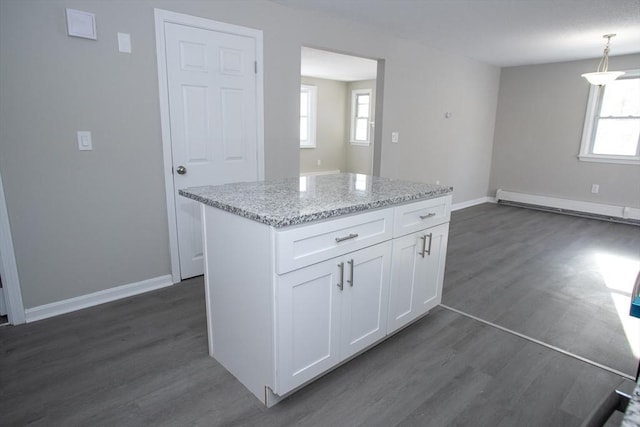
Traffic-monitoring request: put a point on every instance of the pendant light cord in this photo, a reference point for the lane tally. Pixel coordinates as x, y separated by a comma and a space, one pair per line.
603, 67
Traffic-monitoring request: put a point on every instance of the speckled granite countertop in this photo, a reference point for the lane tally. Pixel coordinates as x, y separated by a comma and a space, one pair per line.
632, 414
296, 200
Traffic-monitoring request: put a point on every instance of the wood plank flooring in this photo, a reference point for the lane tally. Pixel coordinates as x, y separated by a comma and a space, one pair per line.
560, 279
143, 361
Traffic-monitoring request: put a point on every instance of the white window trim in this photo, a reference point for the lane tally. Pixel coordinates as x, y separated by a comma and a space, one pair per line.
312, 97
586, 144
354, 94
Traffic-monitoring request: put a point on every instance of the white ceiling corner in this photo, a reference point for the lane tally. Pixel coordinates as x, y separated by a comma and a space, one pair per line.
498, 32
336, 66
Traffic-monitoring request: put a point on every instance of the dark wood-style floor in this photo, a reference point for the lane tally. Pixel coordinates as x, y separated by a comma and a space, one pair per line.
144, 361
555, 278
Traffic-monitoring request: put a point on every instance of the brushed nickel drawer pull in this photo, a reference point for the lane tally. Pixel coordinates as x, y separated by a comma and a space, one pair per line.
341, 281
350, 236
429, 215
430, 239
350, 281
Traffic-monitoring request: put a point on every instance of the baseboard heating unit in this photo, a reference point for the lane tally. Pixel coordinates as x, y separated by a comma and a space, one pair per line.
620, 214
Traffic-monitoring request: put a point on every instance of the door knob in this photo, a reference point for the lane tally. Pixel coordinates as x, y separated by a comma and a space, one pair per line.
181, 170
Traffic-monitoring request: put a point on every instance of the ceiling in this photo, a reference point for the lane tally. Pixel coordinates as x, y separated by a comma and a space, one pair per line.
336, 66
498, 32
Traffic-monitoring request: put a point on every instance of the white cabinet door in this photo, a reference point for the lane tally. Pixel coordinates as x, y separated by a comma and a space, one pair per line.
417, 274
307, 324
365, 298
329, 311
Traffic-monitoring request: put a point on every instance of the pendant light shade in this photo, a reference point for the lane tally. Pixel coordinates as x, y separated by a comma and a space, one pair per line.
602, 76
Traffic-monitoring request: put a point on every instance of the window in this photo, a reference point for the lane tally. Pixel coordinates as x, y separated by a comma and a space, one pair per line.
360, 114
612, 123
307, 116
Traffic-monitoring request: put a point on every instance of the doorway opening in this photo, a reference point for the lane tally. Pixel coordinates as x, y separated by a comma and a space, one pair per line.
340, 103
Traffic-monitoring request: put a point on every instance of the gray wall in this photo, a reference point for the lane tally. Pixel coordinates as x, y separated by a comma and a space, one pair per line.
359, 156
330, 128
420, 86
539, 124
88, 221
81, 221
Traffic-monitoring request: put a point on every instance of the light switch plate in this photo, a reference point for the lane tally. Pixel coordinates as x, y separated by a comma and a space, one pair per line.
81, 24
124, 42
84, 140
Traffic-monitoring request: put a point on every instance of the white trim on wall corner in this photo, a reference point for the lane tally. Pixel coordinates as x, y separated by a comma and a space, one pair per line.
8, 267
624, 212
469, 203
96, 298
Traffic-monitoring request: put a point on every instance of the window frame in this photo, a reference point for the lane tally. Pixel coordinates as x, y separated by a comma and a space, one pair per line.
594, 104
312, 95
354, 110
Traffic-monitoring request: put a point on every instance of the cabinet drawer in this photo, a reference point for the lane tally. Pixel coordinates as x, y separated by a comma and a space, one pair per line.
307, 244
417, 216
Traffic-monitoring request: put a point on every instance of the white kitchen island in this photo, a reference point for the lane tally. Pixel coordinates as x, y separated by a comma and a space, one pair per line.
303, 274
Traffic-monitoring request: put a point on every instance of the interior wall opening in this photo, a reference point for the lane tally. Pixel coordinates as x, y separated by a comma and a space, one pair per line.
340, 95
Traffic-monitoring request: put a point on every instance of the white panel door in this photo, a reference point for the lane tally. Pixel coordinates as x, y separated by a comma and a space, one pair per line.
307, 324
417, 275
409, 274
365, 298
213, 120
430, 294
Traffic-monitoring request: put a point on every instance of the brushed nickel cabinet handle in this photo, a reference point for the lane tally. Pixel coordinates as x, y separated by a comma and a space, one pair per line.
350, 281
350, 236
341, 281
430, 239
429, 215
424, 245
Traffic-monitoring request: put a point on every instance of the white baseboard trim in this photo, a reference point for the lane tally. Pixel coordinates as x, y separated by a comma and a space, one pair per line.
624, 212
469, 203
329, 172
96, 298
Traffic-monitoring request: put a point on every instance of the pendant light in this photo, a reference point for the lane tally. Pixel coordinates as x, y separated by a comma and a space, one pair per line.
602, 76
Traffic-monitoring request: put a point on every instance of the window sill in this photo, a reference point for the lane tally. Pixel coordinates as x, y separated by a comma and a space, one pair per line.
610, 159
362, 144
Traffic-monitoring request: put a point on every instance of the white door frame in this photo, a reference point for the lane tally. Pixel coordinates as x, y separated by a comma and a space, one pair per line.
8, 267
165, 16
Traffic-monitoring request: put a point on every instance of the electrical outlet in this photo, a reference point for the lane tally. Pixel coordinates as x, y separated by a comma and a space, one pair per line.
595, 188
395, 137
